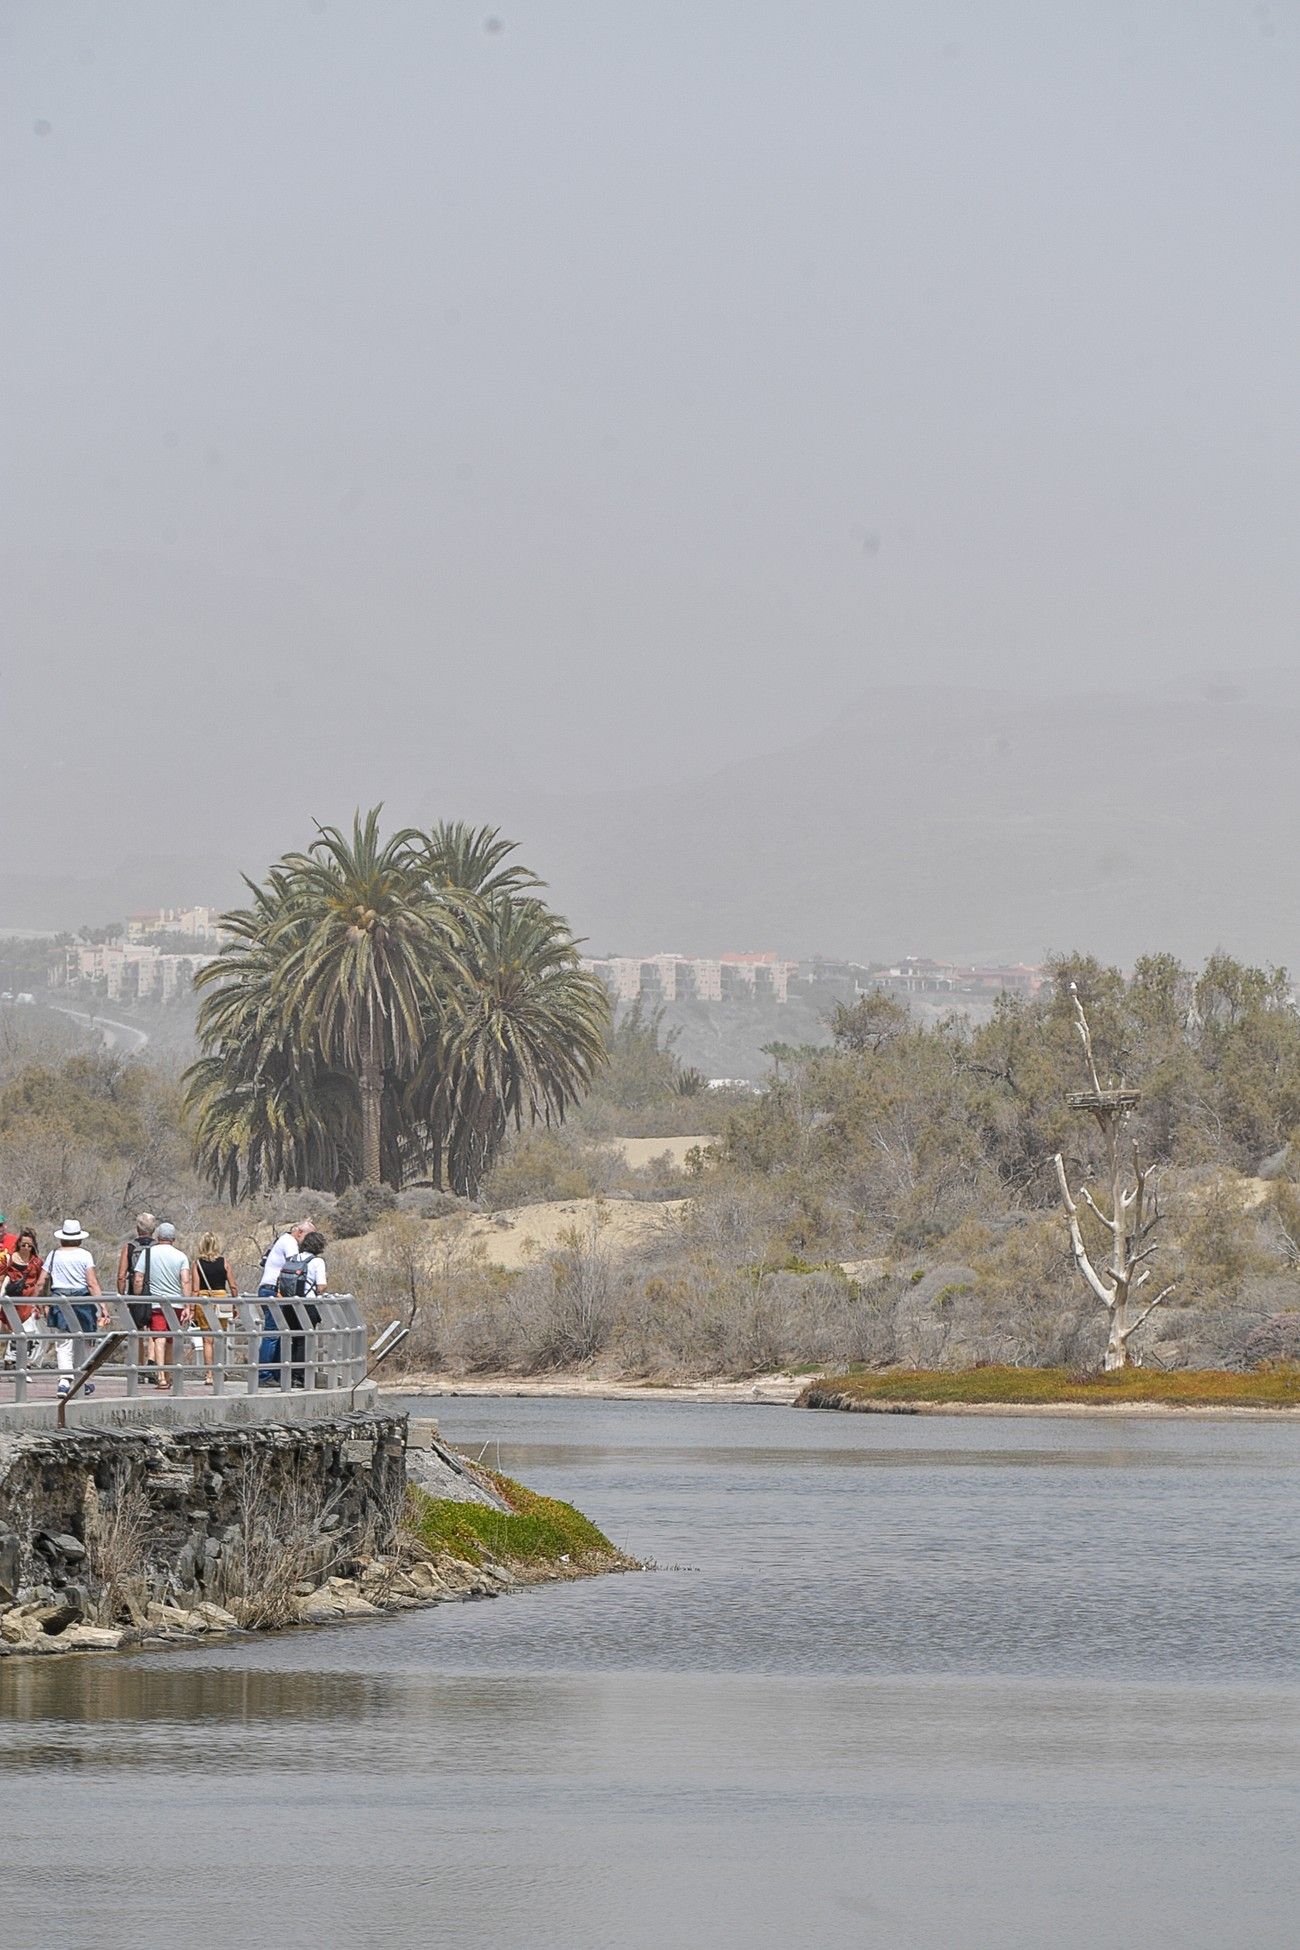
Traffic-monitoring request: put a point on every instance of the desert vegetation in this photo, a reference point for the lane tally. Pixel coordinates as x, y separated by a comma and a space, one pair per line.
890, 1199
893, 1198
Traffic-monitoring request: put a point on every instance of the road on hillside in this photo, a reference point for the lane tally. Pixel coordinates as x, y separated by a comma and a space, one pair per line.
116, 1035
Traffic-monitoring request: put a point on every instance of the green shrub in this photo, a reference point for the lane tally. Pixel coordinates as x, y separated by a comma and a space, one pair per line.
1273, 1387
360, 1208
535, 1530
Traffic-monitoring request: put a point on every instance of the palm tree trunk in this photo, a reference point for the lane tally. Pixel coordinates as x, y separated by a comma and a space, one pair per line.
372, 1104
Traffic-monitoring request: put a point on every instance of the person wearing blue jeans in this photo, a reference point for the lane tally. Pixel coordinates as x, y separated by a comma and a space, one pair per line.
73, 1286
285, 1247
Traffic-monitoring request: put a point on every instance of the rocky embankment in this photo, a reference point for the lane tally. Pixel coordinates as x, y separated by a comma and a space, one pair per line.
147, 1537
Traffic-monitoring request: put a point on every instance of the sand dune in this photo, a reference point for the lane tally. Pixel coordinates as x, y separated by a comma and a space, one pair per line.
638, 1152
515, 1238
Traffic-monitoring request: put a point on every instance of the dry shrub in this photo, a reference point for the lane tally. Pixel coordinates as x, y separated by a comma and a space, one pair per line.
1028, 1297
1223, 1243
564, 1306
543, 1165
694, 1321
431, 1276
871, 1336
49, 1170
117, 1548
284, 1540
732, 1221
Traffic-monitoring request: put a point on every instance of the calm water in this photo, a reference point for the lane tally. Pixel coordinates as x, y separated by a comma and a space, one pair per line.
905, 1682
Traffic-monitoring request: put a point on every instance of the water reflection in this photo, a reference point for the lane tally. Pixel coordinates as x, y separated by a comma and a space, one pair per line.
912, 1695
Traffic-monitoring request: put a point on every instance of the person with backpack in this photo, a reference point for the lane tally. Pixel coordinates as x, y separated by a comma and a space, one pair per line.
296, 1280
305, 1272
273, 1285
141, 1312
316, 1279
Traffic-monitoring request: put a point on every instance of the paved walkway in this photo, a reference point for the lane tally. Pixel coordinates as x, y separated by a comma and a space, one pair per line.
43, 1386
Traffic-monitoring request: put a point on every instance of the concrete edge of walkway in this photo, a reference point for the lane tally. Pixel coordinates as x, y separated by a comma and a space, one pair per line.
192, 1410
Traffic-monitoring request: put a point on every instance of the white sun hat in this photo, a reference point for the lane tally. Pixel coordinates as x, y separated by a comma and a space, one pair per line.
71, 1233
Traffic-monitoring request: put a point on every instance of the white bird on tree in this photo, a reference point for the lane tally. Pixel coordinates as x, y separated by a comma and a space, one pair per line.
1134, 1210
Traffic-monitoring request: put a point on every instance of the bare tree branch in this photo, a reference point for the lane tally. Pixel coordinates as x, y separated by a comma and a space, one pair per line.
1096, 1208
1130, 1223
1081, 1024
1147, 1311
1104, 1293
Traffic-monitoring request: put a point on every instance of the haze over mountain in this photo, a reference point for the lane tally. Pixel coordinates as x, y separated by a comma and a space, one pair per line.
974, 824
560, 417
981, 825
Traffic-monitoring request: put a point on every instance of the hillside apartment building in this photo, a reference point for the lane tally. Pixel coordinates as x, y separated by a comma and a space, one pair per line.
195, 923
128, 971
690, 978
654, 979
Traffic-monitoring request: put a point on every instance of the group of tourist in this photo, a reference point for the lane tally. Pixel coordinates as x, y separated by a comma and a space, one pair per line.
61, 1289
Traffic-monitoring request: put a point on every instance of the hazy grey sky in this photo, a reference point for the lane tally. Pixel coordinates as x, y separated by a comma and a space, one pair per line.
582, 394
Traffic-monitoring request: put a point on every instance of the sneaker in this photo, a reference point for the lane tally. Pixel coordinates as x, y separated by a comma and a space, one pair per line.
89, 1388
65, 1387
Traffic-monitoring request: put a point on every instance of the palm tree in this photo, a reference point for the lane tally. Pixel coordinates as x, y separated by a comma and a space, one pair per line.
265, 1112
383, 1006
522, 1042
471, 860
372, 944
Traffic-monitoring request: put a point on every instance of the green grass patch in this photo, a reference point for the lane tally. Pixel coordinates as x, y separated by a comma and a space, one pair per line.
1277, 1386
535, 1530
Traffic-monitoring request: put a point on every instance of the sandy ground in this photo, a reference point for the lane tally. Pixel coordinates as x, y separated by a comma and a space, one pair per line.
514, 1238
775, 1389
639, 1152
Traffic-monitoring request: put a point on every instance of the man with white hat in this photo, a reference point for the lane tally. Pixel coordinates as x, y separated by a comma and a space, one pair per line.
70, 1278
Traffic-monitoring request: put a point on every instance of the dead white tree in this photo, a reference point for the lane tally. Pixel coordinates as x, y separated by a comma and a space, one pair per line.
1134, 1209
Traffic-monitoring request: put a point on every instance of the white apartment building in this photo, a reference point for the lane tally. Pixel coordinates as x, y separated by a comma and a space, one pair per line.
621, 975
130, 971
692, 978
197, 923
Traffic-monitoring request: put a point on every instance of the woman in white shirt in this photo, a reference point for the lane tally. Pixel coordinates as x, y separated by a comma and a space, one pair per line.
314, 1281
313, 1246
72, 1283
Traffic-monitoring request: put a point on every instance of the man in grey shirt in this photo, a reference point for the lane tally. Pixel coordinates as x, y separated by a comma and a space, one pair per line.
162, 1271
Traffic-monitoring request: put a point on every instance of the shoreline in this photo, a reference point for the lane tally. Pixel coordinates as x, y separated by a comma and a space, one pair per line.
1148, 1411
772, 1391
783, 1390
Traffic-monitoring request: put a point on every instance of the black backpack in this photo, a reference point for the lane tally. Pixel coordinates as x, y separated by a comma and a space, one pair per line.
292, 1283
134, 1248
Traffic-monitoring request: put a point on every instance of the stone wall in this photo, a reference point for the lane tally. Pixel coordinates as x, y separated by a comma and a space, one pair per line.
109, 1527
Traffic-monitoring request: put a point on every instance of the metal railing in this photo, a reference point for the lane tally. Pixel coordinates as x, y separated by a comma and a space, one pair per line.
247, 1346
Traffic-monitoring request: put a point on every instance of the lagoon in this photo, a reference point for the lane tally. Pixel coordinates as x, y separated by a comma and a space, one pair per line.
896, 1681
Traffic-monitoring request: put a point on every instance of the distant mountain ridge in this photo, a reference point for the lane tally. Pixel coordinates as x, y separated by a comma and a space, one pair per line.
971, 824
